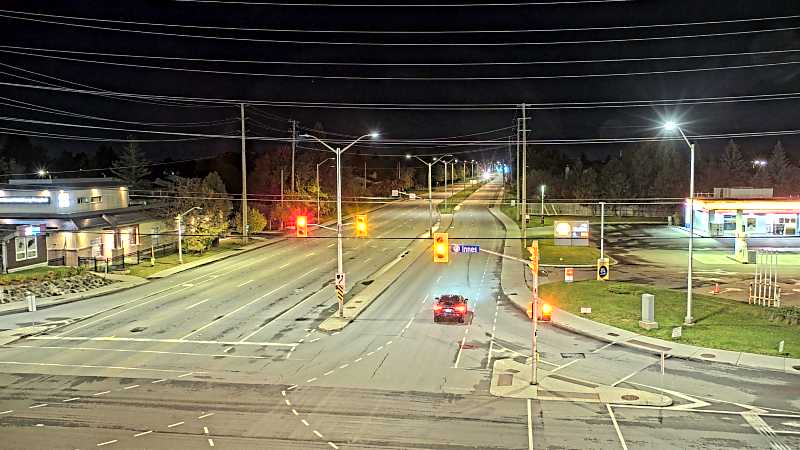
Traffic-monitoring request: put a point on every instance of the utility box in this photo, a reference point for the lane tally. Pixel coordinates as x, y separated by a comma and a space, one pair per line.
648, 321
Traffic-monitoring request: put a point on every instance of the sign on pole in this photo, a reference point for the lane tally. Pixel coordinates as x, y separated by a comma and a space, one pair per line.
395, 192
569, 274
340, 279
603, 268
677, 332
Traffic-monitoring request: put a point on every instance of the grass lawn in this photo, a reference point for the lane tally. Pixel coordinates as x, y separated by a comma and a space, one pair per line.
38, 273
720, 323
144, 269
457, 198
549, 253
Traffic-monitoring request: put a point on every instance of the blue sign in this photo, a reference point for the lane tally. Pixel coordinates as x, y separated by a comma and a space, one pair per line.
602, 271
465, 248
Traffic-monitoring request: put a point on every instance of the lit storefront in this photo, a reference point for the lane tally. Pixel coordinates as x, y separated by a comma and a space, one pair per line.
754, 217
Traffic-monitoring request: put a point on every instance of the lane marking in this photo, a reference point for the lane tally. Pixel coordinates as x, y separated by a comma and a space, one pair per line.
158, 381
176, 424
107, 443
198, 303
616, 427
327, 373
319, 435
334, 446
565, 365
205, 430
331, 245
288, 403
186, 375
71, 399
245, 283
7, 411
314, 340
164, 341
134, 386
291, 387
294, 411
311, 380
37, 406
284, 266
120, 350
205, 415
460, 348
530, 426
359, 359
210, 442
100, 393
603, 347
344, 366
305, 422
143, 433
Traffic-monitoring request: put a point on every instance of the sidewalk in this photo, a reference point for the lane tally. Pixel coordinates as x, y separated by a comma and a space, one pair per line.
512, 281
123, 282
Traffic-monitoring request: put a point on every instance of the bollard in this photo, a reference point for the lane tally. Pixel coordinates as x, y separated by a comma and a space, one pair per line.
31, 302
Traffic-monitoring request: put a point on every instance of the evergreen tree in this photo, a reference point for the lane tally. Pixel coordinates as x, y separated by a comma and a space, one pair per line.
586, 186
732, 167
778, 169
131, 167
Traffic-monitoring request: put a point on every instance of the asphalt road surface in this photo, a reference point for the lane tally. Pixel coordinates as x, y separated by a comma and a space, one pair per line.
228, 355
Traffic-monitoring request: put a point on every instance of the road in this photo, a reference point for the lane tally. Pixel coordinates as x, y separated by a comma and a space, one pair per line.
229, 355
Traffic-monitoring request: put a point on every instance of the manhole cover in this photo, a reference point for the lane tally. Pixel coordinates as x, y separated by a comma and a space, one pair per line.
613, 334
367, 283
573, 355
708, 355
138, 329
630, 397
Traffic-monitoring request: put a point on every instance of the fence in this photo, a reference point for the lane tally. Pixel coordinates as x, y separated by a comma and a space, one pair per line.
57, 261
119, 262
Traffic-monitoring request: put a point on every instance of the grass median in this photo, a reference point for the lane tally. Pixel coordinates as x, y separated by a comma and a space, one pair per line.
720, 323
448, 206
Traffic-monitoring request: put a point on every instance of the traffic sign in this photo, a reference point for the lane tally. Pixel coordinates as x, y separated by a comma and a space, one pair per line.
603, 268
569, 274
465, 248
340, 279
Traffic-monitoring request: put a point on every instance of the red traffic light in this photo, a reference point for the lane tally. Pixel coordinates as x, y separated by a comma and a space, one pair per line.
301, 226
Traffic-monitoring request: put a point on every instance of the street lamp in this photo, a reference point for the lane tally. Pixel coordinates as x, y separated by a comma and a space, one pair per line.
430, 189
338, 152
318, 189
671, 126
178, 219
541, 213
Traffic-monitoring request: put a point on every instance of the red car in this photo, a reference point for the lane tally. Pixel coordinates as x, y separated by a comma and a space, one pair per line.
450, 307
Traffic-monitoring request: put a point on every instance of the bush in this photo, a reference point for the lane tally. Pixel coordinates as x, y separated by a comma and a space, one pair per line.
788, 314
256, 221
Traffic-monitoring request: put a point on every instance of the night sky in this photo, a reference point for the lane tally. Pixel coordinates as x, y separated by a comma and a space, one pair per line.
547, 123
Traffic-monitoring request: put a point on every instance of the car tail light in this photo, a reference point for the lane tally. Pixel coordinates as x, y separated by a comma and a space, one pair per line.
461, 308
437, 307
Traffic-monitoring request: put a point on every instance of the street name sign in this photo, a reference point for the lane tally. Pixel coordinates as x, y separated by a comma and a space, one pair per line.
465, 248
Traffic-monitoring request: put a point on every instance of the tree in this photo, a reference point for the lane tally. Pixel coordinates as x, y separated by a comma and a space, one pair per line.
256, 222
131, 167
104, 157
732, 167
615, 181
209, 223
586, 186
778, 169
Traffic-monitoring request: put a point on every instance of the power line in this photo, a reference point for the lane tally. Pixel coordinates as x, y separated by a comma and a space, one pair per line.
387, 44
423, 32
385, 78
402, 5
475, 107
409, 64
20, 132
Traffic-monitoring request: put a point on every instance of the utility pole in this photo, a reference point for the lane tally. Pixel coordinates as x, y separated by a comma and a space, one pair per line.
294, 146
365, 175
524, 176
518, 196
534, 265
244, 181
281, 186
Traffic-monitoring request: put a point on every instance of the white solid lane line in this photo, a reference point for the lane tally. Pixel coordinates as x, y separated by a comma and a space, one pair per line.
197, 304
530, 426
245, 283
164, 341
87, 366
616, 427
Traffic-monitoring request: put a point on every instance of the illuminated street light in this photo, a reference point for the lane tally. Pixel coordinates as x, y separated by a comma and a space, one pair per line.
430, 189
671, 126
338, 152
178, 219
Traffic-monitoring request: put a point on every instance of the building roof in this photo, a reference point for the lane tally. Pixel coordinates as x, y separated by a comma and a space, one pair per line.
63, 183
87, 219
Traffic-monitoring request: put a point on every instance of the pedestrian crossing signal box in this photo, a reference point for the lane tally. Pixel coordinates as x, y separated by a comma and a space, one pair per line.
361, 225
441, 249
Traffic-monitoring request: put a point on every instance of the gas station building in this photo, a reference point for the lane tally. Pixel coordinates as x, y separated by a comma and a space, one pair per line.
751, 211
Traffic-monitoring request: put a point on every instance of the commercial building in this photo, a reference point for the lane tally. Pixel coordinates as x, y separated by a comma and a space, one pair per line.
81, 217
752, 211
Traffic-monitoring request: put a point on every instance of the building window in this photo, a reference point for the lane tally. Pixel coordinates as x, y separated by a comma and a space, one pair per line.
88, 200
26, 248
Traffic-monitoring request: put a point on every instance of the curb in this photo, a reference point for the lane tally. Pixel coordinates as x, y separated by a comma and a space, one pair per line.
80, 296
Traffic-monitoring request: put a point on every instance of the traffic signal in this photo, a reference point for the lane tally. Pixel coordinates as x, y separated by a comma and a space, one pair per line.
441, 250
361, 225
547, 312
301, 226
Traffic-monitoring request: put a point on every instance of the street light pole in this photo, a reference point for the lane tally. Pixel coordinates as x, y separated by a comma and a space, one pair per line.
178, 219
338, 152
541, 212
430, 189
688, 320
318, 188
244, 181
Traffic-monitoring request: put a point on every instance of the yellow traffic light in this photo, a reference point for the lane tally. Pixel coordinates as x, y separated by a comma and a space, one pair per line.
301, 226
361, 225
441, 250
